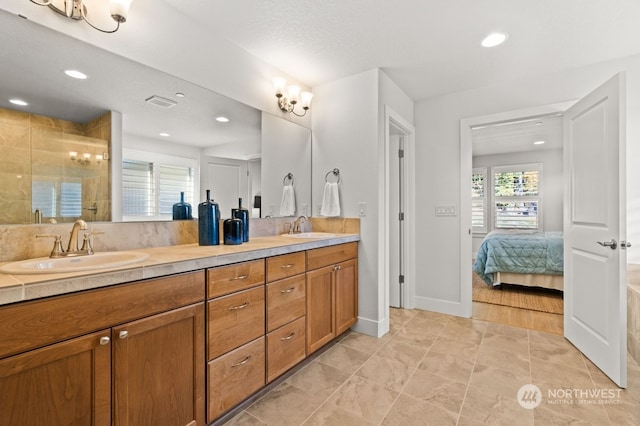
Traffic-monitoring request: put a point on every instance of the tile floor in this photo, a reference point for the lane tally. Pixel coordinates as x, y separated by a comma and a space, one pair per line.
435, 369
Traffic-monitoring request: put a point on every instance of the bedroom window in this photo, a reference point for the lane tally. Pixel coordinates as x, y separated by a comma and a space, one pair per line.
150, 187
517, 196
479, 200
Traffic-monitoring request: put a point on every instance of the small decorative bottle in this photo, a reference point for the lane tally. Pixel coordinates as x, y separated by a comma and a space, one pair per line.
208, 222
182, 210
242, 214
233, 231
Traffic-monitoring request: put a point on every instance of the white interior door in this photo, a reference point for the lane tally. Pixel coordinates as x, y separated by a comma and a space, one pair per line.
595, 314
396, 208
228, 182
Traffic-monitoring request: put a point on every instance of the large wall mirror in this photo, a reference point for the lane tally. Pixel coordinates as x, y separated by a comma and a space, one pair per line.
57, 153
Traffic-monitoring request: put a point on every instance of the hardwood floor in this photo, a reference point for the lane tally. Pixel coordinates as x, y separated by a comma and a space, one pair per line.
523, 318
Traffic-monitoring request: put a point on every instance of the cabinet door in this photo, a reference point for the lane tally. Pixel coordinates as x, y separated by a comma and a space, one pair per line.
346, 278
159, 369
321, 325
68, 383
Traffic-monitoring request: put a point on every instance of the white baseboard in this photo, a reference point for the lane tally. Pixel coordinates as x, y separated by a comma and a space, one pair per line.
371, 327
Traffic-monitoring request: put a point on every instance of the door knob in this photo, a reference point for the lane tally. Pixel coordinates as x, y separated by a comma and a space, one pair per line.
613, 244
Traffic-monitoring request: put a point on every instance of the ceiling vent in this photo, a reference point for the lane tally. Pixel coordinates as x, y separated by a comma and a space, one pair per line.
161, 102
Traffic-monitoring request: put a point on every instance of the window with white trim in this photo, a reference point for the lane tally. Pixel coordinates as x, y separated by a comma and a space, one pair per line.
479, 200
152, 183
517, 196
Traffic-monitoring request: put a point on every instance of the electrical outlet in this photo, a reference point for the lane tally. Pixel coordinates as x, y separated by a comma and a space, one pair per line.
305, 209
318, 209
362, 209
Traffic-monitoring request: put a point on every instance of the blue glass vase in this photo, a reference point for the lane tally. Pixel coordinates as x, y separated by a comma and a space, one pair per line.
182, 210
233, 231
242, 214
208, 222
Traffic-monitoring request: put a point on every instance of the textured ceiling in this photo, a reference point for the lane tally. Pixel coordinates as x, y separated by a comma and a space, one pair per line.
428, 47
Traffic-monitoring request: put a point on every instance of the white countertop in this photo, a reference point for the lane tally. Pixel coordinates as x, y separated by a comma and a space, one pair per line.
161, 261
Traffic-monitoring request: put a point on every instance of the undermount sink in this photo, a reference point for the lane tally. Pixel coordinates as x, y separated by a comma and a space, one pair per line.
310, 235
100, 260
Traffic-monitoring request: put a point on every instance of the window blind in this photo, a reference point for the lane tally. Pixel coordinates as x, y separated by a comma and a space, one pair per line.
137, 188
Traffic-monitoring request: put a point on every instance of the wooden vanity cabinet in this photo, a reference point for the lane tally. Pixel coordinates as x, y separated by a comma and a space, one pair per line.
332, 293
63, 357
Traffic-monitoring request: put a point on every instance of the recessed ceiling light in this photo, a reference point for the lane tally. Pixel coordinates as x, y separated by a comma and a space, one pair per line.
18, 102
538, 143
538, 123
180, 94
165, 134
222, 119
494, 39
76, 74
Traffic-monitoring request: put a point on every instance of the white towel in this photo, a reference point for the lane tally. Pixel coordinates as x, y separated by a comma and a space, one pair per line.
288, 203
330, 200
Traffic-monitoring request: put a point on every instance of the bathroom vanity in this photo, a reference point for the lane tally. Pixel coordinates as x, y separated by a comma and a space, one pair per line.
180, 339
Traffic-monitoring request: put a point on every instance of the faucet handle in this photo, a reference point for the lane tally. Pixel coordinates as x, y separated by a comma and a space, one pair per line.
86, 241
57, 250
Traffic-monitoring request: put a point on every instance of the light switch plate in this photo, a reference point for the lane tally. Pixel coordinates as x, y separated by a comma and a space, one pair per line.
362, 209
445, 210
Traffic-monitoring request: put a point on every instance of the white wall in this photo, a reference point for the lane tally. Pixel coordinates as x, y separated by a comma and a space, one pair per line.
438, 152
552, 183
348, 134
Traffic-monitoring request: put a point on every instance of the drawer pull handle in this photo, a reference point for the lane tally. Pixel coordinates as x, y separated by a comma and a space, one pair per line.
243, 362
104, 340
241, 277
289, 290
235, 308
288, 265
289, 337
123, 334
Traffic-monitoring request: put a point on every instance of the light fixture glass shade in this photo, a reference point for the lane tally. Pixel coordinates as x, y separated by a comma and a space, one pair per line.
73, 155
294, 94
278, 86
119, 9
305, 99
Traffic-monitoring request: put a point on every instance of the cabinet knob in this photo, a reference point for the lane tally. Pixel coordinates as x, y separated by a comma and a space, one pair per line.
104, 340
337, 267
123, 334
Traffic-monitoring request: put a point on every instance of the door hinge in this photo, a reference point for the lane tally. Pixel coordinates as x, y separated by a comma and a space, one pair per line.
401, 279
401, 216
401, 153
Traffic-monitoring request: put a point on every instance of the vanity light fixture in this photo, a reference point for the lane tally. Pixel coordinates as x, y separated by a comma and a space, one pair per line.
288, 103
77, 10
84, 160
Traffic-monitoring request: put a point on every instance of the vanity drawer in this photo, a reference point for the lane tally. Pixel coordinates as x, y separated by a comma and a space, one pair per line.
231, 278
235, 376
325, 256
285, 301
285, 348
286, 265
235, 320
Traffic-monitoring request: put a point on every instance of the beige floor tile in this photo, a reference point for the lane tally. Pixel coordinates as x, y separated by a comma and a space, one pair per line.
407, 354
464, 421
549, 338
318, 379
507, 330
416, 337
425, 325
543, 416
344, 358
364, 398
459, 348
448, 366
586, 410
407, 411
473, 323
505, 343
433, 316
285, 405
498, 380
436, 390
364, 343
331, 415
387, 372
244, 419
556, 353
557, 375
513, 362
455, 331
623, 414
495, 408
401, 315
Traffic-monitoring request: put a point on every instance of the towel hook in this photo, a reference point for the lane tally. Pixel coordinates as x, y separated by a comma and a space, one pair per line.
335, 172
288, 176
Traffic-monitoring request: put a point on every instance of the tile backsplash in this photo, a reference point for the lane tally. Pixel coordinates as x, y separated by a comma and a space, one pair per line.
19, 242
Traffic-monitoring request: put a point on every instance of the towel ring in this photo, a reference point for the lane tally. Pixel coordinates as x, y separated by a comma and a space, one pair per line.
335, 172
288, 176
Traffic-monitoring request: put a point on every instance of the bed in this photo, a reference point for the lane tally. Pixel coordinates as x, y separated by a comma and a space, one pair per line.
526, 258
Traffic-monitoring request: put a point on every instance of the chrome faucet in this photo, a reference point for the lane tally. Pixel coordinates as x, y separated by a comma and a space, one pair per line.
295, 228
79, 224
